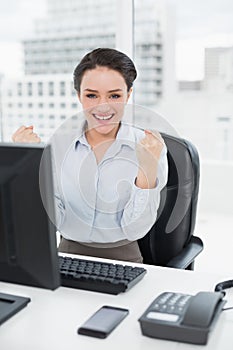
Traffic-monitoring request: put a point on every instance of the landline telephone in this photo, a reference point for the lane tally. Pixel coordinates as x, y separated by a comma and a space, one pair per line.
182, 317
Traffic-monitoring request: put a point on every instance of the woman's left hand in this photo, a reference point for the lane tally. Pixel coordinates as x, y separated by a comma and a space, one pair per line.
148, 152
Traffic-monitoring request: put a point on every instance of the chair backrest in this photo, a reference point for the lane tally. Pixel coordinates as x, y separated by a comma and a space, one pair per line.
178, 205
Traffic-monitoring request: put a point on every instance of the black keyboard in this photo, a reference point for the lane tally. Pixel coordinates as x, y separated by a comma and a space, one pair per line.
98, 276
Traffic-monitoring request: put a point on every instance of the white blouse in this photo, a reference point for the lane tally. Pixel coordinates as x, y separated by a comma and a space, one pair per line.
100, 203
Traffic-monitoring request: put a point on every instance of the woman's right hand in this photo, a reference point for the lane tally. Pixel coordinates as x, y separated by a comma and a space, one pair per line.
25, 134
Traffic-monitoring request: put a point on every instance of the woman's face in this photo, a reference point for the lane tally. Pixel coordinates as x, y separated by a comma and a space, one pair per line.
103, 94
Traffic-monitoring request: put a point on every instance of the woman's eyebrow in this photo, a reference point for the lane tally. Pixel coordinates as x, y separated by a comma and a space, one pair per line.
91, 90
115, 90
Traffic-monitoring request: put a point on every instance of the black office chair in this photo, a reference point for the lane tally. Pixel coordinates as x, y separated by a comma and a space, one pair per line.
170, 242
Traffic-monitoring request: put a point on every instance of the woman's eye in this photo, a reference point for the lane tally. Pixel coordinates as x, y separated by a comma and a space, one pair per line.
91, 96
115, 96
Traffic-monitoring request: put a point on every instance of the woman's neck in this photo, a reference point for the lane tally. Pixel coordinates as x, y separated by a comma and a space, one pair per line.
94, 138
100, 143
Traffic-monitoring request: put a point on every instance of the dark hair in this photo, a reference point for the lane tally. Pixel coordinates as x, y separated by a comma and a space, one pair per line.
104, 57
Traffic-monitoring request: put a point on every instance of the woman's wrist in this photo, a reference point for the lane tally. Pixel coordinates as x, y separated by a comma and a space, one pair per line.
146, 180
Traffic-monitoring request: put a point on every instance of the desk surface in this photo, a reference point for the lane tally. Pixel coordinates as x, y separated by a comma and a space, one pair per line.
51, 319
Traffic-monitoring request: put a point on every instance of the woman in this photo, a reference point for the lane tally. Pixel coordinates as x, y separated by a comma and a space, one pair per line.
111, 176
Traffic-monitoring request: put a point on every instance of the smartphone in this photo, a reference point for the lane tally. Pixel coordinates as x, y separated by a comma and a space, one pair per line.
103, 321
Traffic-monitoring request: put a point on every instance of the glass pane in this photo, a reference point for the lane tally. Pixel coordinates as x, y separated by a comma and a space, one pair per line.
184, 56
40, 52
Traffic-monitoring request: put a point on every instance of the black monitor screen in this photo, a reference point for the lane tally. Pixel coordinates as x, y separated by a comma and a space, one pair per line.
28, 250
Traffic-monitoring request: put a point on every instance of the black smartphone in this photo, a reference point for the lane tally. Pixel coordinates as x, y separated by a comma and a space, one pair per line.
103, 321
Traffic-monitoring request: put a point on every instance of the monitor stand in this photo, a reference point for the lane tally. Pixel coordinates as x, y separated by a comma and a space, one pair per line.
10, 305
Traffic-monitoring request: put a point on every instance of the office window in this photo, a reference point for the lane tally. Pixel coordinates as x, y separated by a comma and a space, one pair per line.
40, 88
179, 78
19, 89
9, 93
62, 88
51, 88
29, 89
185, 74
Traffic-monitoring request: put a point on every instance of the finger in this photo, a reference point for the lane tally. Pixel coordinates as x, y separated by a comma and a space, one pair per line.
28, 129
37, 138
154, 133
144, 143
20, 129
28, 138
150, 136
27, 132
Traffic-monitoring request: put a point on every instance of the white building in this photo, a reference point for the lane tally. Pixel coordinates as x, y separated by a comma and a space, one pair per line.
71, 29
219, 68
203, 110
42, 100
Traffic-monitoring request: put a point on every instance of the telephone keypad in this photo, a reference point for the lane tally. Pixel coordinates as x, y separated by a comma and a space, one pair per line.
172, 303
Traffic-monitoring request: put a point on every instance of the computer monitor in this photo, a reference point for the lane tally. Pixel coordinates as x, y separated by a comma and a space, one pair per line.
28, 249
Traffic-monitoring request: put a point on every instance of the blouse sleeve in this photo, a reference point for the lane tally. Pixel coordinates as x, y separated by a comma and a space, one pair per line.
140, 212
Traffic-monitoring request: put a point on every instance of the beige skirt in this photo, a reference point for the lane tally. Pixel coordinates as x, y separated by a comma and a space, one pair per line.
128, 252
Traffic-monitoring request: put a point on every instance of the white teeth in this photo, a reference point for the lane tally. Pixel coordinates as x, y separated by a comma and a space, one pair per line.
103, 118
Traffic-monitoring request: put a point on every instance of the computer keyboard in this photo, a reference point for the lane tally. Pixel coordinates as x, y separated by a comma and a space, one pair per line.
98, 276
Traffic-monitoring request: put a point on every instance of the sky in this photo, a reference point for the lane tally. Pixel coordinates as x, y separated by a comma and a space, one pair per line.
199, 24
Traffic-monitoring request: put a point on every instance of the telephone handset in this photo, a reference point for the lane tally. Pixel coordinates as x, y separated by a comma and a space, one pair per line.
182, 317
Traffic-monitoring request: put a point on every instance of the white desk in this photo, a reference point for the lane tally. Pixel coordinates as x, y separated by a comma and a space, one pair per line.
51, 319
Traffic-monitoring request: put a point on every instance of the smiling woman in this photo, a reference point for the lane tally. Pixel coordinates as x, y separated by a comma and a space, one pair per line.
111, 175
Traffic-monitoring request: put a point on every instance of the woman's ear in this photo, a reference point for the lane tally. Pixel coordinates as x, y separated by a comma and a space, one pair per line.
78, 94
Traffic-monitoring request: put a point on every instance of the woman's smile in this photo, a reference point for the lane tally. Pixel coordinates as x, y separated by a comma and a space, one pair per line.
103, 117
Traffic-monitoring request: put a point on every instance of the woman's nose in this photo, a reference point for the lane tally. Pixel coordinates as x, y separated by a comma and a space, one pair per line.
103, 105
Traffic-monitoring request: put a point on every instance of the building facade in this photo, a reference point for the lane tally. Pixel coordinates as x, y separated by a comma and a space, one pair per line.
44, 101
